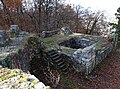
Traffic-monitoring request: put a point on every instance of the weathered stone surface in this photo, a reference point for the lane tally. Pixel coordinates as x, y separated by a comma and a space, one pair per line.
16, 79
89, 52
3, 37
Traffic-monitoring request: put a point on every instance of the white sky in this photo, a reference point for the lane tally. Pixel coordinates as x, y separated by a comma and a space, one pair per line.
110, 6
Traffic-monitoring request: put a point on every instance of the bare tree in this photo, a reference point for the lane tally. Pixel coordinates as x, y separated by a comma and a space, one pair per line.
94, 21
79, 18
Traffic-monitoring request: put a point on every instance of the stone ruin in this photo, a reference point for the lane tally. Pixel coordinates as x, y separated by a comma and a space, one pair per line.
29, 57
77, 43
62, 31
88, 53
84, 52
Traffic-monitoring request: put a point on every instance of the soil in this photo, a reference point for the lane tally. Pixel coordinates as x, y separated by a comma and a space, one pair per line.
105, 76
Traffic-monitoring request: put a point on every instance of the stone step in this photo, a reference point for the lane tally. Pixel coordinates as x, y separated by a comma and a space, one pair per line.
60, 63
58, 60
62, 66
51, 50
54, 55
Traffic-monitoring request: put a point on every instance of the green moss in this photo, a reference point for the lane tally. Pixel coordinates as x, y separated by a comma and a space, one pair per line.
67, 50
24, 40
54, 40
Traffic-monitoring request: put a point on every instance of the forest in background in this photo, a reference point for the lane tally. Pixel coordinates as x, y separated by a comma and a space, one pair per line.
47, 15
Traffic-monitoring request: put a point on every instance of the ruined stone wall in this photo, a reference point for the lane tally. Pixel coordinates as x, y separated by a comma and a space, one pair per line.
19, 59
85, 59
90, 57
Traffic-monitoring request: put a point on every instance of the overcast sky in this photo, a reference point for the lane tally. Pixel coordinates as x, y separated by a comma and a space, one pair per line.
110, 6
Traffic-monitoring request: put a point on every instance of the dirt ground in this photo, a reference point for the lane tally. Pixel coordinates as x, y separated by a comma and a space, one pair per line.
106, 76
